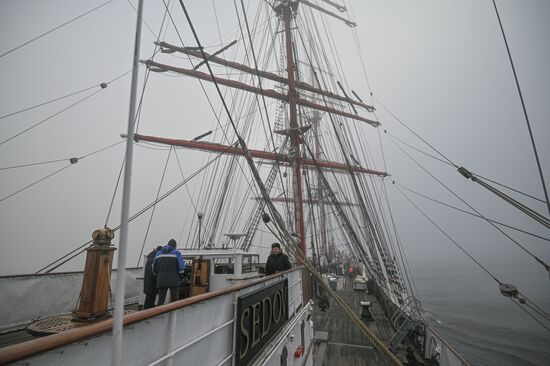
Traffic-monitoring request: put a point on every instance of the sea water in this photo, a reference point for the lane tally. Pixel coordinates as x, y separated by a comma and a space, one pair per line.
465, 306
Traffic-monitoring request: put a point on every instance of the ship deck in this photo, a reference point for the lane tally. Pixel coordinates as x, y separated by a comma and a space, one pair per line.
22, 335
340, 342
19, 336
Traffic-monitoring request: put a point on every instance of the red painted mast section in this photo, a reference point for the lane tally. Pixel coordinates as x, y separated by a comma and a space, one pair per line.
295, 137
259, 154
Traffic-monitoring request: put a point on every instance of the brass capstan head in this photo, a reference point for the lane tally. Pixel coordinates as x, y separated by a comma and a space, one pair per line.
103, 237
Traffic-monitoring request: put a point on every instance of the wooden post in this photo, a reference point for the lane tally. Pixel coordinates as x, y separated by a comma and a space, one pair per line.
94, 294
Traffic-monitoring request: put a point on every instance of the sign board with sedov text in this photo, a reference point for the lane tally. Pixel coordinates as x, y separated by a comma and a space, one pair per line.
260, 314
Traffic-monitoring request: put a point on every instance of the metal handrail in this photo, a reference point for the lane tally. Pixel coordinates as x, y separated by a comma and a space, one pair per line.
54, 273
448, 346
181, 348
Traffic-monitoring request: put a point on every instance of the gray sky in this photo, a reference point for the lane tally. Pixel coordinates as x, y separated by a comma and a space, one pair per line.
440, 66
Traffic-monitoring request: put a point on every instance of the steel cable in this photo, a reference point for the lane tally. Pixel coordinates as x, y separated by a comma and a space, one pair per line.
137, 214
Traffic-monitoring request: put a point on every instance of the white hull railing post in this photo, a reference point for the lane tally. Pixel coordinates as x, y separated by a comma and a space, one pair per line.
116, 355
172, 336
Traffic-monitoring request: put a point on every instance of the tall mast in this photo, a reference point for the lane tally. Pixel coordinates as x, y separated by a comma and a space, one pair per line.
116, 355
294, 137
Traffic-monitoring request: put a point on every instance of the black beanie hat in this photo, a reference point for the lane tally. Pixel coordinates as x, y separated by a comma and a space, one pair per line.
275, 245
172, 243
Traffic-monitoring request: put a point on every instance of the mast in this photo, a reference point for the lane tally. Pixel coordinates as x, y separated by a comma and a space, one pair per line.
295, 137
116, 355
295, 140
285, 10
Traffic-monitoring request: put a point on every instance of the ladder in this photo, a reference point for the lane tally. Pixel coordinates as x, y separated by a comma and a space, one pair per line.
404, 319
257, 213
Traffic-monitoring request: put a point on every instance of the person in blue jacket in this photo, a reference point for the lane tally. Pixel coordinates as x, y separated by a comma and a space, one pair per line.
168, 265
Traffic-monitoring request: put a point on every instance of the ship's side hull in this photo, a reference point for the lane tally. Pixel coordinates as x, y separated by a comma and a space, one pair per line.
201, 330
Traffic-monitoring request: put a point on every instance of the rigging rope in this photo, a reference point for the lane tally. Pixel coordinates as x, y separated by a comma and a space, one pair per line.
51, 101
248, 127
534, 306
224, 132
414, 133
524, 109
280, 223
142, 20
405, 262
36, 182
137, 118
72, 161
377, 343
526, 210
529, 314
402, 256
56, 28
102, 85
510, 188
183, 177
261, 87
477, 175
114, 191
34, 164
154, 207
470, 213
473, 259
417, 149
50, 117
372, 232
546, 266
363, 253
314, 226
139, 213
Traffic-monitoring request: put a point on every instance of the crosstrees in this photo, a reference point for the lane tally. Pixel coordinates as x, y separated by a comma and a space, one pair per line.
265, 74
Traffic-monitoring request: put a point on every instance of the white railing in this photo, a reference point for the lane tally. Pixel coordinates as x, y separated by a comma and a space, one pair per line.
192, 331
437, 348
171, 354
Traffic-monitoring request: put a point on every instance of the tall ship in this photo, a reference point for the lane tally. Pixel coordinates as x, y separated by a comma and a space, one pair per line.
245, 128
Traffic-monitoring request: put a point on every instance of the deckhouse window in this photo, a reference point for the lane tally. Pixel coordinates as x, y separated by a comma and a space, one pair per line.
224, 266
251, 263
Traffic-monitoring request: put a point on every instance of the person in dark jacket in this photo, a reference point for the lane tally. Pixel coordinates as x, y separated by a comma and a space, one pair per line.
277, 261
150, 280
168, 265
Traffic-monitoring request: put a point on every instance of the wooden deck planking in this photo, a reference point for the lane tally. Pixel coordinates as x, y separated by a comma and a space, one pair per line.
346, 345
19, 336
